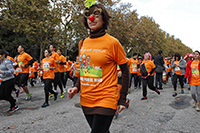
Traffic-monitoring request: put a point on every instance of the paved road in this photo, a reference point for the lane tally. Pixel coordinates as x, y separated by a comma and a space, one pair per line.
159, 114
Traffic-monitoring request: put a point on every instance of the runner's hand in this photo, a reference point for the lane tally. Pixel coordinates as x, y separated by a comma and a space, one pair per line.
120, 108
71, 92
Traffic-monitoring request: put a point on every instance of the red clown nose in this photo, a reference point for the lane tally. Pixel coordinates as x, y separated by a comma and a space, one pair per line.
91, 18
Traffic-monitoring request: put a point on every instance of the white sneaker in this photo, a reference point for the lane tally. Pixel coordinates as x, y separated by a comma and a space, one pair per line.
197, 108
194, 104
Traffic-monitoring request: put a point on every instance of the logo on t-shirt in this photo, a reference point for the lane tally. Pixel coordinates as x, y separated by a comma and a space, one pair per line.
88, 69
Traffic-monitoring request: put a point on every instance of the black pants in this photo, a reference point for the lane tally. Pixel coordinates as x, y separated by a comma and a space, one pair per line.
139, 80
174, 80
99, 123
159, 80
23, 79
148, 81
62, 76
57, 81
5, 91
68, 76
135, 80
48, 88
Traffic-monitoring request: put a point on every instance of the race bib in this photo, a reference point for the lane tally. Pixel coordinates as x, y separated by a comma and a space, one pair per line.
177, 69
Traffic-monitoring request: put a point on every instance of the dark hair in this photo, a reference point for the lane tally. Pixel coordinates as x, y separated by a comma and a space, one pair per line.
23, 46
105, 15
160, 52
67, 58
52, 45
177, 55
49, 51
3, 52
60, 50
197, 51
135, 54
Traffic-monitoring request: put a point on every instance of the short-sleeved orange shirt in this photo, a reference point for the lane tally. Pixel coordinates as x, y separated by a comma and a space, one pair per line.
195, 77
98, 71
23, 59
55, 56
149, 66
177, 69
45, 64
133, 63
62, 67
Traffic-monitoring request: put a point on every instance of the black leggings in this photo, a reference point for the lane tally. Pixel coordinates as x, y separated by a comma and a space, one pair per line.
174, 80
5, 91
148, 81
62, 76
135, 76
68, 76
48, 88
99, 123
57, 81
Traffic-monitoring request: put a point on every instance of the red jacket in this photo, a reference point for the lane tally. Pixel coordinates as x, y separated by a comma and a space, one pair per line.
188, 72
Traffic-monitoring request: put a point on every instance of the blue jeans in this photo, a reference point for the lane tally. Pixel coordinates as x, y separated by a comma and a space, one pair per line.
159, 80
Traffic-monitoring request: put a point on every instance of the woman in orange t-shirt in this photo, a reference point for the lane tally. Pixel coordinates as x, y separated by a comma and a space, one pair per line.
178, 66
193, 74
99, 55
68, 69
48, 65
149, 78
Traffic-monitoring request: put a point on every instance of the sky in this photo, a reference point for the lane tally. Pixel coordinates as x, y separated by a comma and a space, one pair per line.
180, 18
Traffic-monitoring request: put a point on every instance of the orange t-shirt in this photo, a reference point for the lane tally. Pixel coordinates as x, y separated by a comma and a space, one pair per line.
31, 72
46, 64
133, 63
76, 69
62, 67
23, 59
98, 71
177, 69
11, 59
35, 66
149, 66
195, 77
68, 65
55, 56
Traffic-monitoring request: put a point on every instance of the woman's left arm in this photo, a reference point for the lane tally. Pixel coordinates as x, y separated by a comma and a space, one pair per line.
125, 83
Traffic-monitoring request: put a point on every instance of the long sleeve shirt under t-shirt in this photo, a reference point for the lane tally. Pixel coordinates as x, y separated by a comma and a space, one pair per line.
7, 70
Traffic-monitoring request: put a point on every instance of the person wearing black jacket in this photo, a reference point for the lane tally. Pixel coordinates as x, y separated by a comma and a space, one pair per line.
159, 62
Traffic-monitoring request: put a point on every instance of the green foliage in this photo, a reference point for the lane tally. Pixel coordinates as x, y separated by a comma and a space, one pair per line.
36, 23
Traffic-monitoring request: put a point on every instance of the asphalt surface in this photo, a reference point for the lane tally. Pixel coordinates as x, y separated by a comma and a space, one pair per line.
158, 114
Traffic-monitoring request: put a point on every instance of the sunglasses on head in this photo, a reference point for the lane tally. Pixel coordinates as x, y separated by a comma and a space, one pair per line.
96, 13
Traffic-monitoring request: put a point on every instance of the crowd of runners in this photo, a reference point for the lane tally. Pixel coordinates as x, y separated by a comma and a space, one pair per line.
101, 73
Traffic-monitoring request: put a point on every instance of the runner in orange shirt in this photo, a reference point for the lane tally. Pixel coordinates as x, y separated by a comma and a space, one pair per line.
68, 69
24, 60
62, 69
57, 78
35, 66
99, 55
178, 72
133, 68
31, 75
148, 76
48, 65
76, 69
193, 74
